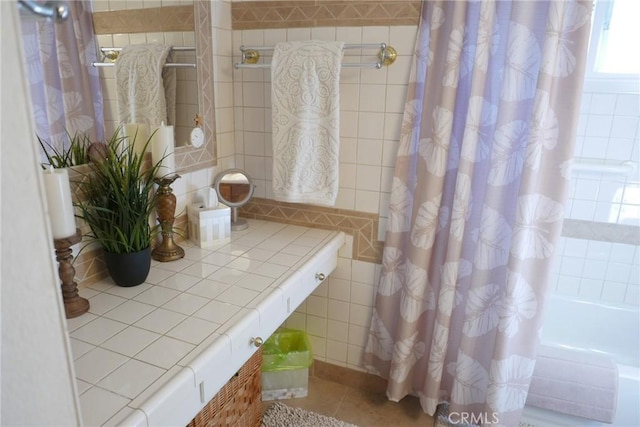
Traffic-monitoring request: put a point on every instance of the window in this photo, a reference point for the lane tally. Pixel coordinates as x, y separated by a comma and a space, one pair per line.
614, 57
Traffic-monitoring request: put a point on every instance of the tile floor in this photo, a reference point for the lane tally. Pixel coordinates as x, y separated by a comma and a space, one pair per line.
359, 407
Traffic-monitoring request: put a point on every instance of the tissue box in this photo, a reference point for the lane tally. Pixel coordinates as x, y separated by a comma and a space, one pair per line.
209, 227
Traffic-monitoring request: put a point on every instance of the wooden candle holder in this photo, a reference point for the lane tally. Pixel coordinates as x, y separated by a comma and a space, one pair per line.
74, 304
167, 250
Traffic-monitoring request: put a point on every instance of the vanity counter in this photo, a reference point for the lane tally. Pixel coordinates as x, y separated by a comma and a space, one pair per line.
156, 353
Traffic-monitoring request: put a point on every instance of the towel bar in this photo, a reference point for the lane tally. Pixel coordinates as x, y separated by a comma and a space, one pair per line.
111, 55
386, 55
168, 65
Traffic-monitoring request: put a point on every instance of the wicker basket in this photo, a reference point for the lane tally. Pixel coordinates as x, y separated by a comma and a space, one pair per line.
238, 403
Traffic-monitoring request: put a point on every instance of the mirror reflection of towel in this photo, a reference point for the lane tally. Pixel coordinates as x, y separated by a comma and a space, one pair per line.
146, 91
306, 121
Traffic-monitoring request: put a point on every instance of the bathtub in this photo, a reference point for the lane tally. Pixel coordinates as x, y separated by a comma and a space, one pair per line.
609, 329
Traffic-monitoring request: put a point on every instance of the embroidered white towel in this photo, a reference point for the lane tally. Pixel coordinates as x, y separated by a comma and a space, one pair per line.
145, 90
305, 80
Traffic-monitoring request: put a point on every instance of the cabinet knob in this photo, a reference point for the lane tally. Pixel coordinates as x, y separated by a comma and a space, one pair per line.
257, 341
320, 276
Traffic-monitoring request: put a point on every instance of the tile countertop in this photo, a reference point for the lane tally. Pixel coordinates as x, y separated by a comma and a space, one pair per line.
156, 353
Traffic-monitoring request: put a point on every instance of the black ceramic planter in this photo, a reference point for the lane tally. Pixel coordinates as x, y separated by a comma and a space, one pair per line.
129, 269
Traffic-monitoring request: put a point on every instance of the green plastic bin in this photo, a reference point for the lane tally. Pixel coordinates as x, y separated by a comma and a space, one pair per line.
286, 358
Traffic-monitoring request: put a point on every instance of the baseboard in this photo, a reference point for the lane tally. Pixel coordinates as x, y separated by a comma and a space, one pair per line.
348, 377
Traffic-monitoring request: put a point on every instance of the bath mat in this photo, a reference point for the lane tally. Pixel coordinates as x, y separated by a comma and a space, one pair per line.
281, 415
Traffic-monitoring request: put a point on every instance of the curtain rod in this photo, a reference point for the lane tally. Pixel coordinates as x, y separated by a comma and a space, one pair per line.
56, 10
386, 54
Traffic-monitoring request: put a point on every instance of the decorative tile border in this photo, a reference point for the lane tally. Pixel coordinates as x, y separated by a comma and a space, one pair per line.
363, 226
601, 231
249, 15
147, 20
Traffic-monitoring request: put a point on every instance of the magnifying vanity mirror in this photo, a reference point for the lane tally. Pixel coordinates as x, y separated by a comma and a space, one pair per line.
234, 188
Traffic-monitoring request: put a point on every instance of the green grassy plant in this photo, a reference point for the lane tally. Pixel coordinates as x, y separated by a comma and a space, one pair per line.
76, 153
117, 198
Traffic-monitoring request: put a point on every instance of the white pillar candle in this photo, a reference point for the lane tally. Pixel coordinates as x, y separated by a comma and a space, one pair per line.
162, 147
58, 192
136, 134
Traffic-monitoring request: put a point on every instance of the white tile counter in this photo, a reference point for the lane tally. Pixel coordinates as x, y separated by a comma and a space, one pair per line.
156, 353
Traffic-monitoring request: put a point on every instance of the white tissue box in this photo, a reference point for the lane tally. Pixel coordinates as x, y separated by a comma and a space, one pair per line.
209, 227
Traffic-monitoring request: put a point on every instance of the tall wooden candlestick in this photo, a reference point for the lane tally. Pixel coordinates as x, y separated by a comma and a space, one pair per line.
74, 304
168, 250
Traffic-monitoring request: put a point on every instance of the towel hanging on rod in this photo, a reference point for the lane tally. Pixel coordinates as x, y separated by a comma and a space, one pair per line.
111, 55
386, 55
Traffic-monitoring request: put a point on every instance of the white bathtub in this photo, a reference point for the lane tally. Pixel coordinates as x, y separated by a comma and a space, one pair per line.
613, 330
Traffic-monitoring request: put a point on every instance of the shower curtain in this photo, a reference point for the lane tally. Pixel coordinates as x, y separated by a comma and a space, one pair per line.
64, 86
477, 203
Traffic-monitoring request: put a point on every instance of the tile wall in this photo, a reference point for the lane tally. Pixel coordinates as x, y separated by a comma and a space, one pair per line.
596, 270
336, 317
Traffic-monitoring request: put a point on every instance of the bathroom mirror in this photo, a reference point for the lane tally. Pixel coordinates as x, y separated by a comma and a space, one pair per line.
119, 23
234, 188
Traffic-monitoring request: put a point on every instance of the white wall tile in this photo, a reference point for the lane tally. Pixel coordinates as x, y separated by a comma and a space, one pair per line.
373, 98
568, 285
602, 103
371, 125
323, 33
618, 272
627, 105
624, 127
358, 335
632, 295
337, 351
360, 315
590, 289
351, 35
599, 126
338, 331
595, 147
594, 269
614, 292
368, 178
338, 310
317, 326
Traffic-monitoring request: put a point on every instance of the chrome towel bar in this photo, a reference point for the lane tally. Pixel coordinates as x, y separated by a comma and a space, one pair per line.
386, 56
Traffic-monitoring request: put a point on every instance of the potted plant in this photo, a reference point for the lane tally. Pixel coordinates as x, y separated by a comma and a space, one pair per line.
116, 200
76, 153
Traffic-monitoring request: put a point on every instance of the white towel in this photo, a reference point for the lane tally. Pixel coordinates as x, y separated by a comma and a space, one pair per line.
146, 91
305, 80
575, 382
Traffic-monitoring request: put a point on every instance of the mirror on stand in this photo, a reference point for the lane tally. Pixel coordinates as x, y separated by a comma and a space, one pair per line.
234, 188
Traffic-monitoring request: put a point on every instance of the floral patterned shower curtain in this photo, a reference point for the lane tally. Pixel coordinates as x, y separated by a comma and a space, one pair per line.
65, 87
477, 202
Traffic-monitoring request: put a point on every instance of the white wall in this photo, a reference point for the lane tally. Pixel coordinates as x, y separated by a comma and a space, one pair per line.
38, 386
